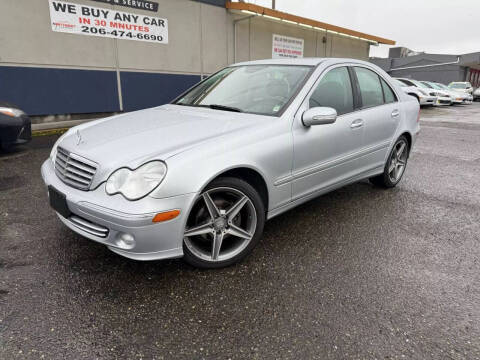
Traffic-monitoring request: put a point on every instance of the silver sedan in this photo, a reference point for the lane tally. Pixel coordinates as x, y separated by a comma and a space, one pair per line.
199, 177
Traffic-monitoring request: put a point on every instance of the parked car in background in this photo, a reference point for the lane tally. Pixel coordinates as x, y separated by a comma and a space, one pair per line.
199, 177
443, 97
465, 98
454, 95
15, 126
424, 98
476, 94
464, 86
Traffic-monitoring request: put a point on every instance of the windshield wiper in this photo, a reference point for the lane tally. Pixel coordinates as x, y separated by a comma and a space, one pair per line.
222, 107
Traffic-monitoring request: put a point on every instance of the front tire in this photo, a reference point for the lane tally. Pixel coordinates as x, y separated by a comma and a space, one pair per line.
224, 225
395, 166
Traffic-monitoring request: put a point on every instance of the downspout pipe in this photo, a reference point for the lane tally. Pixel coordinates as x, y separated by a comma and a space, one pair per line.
235, 35
429, 65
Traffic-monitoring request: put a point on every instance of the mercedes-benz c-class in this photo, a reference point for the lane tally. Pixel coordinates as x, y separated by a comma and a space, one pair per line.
198, 178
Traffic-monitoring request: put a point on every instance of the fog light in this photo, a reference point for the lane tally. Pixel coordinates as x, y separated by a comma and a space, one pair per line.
125, 241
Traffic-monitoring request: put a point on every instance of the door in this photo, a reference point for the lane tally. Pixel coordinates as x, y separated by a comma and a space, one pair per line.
325, 155
380, 113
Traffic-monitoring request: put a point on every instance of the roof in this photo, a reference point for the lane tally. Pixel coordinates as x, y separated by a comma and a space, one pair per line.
471, 60
312, 61
314, 24
290, 61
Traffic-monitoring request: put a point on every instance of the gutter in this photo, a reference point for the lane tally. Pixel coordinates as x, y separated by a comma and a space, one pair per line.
429, 65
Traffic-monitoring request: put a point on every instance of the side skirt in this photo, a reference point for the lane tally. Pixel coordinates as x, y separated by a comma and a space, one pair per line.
365, 175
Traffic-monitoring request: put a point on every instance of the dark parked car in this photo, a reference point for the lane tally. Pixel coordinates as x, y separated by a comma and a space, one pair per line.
15, 126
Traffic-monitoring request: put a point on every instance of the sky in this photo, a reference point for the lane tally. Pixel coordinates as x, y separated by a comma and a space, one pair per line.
433, 26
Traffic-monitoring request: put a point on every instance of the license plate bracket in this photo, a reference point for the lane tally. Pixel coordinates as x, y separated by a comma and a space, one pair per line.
58, 201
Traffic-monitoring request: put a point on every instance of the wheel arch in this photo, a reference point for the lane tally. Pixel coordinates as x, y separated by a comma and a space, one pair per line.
249, 175
408, 136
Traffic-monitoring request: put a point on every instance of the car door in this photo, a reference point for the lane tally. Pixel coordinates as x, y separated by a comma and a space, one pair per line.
380, 113
325, 155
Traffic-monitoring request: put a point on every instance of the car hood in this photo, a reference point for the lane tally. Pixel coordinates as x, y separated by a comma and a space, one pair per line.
442, 92
158, 133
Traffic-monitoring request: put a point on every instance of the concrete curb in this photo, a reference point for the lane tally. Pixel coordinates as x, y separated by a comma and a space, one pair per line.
56, 128
59, 124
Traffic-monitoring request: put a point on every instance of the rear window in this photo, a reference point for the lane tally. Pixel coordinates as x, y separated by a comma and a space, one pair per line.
406, 82
388, 93
370, 87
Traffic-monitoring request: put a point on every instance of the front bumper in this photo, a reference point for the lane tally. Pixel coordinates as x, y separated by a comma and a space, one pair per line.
443, 101
15, 131
106, 219
428, 100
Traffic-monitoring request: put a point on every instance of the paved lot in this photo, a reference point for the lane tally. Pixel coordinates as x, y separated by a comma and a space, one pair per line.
360, 273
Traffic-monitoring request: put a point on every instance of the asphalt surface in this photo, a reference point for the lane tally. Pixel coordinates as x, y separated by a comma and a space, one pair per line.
360, 273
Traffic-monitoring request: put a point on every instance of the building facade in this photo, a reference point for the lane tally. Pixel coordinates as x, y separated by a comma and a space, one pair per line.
102, 56
440, 68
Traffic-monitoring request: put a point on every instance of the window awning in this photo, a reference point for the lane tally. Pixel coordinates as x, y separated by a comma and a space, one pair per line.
304, 22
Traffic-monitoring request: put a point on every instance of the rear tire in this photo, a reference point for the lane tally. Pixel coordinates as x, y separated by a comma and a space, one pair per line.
225, 224
395, 165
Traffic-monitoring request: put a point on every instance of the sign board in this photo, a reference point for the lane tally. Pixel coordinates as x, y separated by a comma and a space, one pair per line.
93, 21
136, 4
286, 47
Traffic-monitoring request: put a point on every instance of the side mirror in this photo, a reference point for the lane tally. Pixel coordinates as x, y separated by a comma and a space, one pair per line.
319, 116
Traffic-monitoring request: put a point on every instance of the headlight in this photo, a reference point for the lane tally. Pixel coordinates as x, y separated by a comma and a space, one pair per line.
135, 184
11, 112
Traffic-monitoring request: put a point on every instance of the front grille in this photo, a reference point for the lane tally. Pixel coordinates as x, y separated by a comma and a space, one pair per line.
26, 132
89, 227
74, 170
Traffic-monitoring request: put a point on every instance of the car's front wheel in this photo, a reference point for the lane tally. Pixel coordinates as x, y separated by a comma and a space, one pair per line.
224, 224
395, 166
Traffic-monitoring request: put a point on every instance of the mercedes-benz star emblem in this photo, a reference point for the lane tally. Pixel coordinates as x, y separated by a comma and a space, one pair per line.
79, 137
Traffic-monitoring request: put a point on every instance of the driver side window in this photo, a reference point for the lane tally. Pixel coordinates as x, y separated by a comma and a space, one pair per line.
335, 91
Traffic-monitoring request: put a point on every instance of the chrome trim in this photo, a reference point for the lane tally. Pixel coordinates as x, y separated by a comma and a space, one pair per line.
330, 164
89, 227
74, 170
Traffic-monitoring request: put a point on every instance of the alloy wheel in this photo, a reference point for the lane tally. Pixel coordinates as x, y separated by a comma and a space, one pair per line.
221, 224
398, 161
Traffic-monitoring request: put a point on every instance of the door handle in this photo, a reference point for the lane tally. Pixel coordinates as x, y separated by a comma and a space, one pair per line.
395, 113
356, 123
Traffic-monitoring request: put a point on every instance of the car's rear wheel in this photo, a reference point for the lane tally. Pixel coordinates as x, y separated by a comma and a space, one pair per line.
224, 225
395, 166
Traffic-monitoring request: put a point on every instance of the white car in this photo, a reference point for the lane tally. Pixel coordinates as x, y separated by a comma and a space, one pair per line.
466, 98
424, 97
464, 86
456, 97
443, 97
476, 94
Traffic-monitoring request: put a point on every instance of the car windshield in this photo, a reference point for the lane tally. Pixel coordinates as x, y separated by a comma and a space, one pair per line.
435, 86
399, 83
458, 86
443, 87
427, 85
420, 84
258, 89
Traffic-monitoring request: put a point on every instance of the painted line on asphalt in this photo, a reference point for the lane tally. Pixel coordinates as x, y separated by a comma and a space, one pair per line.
49, 132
